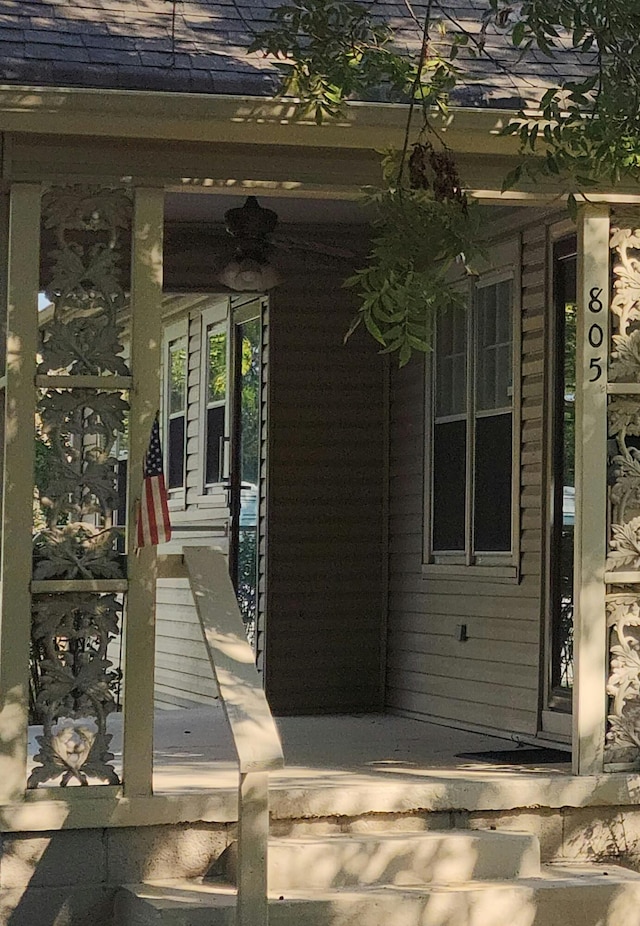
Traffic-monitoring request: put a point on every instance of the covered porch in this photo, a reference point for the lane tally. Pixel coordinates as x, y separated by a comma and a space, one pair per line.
368, 591
512, 582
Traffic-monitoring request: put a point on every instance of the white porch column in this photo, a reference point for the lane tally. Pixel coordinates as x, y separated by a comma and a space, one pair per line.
590, 624
146, 333
20, 402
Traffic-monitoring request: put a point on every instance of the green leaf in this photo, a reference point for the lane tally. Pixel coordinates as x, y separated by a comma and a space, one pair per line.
518, 34
404, 355
373, 329
512, 178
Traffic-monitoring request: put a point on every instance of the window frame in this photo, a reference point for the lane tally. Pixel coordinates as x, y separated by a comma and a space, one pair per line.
217, 315
211, 322
176, 331
489, 566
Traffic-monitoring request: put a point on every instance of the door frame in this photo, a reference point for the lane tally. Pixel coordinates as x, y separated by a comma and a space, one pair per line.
555, 706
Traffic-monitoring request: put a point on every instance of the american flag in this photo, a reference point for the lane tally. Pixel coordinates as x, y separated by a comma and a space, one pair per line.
154, 525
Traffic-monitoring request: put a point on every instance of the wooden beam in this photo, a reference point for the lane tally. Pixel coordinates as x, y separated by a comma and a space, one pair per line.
253, 841
113, 383
20, 402
590, 623
146, 334
232, 660
255, 736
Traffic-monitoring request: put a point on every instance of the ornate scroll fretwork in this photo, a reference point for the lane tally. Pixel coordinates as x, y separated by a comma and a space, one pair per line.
71, 633
624, 494
625, 305
86, 287
78, 432
623, 601
623, 687
80, 428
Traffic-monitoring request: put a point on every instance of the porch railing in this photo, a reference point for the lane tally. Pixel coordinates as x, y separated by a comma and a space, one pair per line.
252, 726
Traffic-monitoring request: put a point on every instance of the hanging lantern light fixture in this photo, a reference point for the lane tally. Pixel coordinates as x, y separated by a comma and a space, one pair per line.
250, 270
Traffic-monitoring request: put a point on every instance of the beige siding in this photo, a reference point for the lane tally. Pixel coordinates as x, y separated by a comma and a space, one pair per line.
492, 679
183, 673
320, 633
325, 489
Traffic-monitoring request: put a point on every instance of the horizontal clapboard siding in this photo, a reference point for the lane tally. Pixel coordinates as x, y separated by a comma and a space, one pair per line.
491, 679
183, 674
323, 582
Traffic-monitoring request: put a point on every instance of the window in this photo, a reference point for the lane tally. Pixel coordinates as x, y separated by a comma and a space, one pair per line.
471, 446
215, 402
176, 406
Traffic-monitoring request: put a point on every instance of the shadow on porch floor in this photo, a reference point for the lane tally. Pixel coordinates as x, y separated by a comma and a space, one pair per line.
366, 747
362, 764
349, 764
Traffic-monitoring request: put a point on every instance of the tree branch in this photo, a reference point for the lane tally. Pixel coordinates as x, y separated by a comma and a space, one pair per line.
414, 90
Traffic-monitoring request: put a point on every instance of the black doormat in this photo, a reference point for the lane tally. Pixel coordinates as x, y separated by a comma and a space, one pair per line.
532, 756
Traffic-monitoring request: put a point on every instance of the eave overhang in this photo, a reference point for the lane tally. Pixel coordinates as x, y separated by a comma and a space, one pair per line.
232, 119
233, 134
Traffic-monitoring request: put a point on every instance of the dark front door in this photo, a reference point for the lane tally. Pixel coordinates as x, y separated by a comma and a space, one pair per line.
244, 480
561, 604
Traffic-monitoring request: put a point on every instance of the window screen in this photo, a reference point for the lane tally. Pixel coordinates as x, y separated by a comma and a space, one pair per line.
472, 436
216, 405
177, 407
450, 432
493, 419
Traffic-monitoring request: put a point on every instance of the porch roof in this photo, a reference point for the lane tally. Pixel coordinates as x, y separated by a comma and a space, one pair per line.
199, 46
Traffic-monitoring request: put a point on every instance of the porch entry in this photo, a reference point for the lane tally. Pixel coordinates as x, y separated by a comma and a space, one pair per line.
212, 401
560, 594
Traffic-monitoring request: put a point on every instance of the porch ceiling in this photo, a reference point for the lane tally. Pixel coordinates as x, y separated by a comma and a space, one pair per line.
205, 209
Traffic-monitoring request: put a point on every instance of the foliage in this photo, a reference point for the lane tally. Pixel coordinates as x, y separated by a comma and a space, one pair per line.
564, 642
328, 52
250, 399
44, 457
588, 129
217, 376
247, 579
408, 277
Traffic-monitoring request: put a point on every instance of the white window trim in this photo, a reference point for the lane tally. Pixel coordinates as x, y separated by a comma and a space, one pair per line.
500, 567
217, 316
171, 333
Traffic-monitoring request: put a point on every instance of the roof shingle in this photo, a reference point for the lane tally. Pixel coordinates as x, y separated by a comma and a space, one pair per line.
199, 46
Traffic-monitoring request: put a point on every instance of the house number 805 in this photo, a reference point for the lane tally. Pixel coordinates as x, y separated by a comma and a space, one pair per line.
595, 334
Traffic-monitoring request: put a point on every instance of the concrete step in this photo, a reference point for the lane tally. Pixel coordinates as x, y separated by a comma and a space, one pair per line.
562, 895
359, 860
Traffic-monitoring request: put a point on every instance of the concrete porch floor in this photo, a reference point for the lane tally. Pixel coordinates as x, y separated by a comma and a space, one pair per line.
373, 763
360, 764
373, 747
